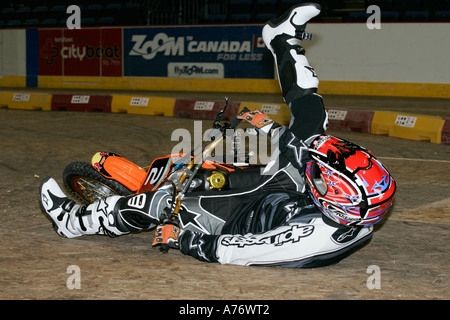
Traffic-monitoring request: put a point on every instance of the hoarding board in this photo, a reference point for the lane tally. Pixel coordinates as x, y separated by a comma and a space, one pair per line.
80, 52
197, 52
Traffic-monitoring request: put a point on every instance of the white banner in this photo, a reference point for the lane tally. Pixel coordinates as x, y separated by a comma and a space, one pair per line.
195, 70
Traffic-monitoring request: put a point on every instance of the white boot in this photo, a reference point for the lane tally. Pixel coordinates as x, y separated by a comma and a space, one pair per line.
283, 36
72, 220
292, 23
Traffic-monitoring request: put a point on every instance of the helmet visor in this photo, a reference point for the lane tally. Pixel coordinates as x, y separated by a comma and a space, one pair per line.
318, 180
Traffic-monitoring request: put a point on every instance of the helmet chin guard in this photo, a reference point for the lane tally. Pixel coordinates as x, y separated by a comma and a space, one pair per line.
347, 183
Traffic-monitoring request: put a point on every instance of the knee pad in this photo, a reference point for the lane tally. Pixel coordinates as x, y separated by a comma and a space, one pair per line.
141, 211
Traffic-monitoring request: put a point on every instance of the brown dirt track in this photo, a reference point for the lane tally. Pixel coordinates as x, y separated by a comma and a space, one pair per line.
410, 247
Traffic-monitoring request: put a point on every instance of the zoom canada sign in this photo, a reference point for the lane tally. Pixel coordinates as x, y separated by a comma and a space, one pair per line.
197, 52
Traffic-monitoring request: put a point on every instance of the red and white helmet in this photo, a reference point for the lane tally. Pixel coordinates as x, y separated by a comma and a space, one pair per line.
347, 182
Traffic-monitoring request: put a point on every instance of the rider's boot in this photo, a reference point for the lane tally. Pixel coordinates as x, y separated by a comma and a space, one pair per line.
116, 215
72, 220
282, 36
292, 23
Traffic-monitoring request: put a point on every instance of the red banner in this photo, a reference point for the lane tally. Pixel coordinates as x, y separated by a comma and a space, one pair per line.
80, 52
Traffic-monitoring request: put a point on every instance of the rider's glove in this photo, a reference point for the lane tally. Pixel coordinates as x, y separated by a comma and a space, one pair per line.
166, 236
260, 120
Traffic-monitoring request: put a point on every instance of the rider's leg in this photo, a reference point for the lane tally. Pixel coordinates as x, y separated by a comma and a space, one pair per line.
114, 216
121, 215
298, 80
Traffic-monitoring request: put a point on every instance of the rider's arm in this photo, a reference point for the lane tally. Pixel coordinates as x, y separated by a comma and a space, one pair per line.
289, 141
293, 148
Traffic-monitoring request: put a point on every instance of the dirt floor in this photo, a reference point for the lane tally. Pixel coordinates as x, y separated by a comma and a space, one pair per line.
410, 248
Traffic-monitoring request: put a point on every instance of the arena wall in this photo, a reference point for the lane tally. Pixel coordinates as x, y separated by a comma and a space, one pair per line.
13, 58
400, 59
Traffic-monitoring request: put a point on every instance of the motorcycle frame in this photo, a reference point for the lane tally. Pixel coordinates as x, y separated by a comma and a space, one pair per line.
132, 176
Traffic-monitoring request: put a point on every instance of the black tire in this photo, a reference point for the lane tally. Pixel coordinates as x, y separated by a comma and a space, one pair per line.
89, 185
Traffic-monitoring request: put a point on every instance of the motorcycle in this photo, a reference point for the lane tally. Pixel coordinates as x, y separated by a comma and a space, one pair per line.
110, 174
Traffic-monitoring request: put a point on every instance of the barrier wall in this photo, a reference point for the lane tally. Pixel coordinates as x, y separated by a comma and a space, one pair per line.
26, 101
400, 59
406, 126
77, 102
445, 136
154, 106
204, 110
350, 120
409, 126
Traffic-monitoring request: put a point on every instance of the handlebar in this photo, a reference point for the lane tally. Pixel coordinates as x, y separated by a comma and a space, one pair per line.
235, 122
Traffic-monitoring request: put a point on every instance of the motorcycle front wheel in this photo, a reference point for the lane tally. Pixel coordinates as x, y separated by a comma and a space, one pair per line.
89, 185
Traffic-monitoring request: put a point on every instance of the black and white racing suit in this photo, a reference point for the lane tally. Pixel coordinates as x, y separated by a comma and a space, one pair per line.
273, 222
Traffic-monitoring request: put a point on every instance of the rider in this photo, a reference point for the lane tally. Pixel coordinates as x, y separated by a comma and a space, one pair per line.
314, 208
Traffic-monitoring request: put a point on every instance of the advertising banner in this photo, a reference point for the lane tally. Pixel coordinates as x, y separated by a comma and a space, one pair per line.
80, 52
197, 52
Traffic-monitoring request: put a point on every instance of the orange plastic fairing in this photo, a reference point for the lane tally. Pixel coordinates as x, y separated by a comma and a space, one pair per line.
114, 166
